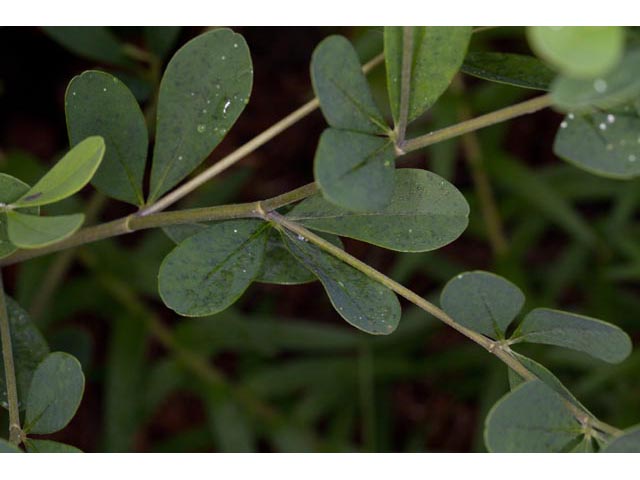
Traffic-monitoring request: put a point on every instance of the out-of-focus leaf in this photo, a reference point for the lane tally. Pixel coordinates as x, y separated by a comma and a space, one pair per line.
510, 68
628, 442
94, 43
160, 40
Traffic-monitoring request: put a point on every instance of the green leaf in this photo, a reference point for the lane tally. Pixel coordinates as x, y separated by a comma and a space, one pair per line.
618, 87
203, 91
179, 233
29, 349
425, 212
628, 442
607, 144
97, 103
8, 447
160, 40
49, 446
438, 53
519, 70
232, 430
355, 170
55, 393
11, 189
342, 89
68, 176
32, 231
94, 43
361, 301
209, 271
483, 302
545, 376
280, 267
597, 338
531, 419
578, 51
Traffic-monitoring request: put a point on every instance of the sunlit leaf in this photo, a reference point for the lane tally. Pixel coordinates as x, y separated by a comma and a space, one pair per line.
33, 231
68, 176
11, 189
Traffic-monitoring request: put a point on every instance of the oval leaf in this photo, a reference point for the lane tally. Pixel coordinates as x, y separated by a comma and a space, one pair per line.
482, 301
618, 87
519, 70
29, 349
597, 338
355, 170
361, 301
210, 270
607, 144
438, 53
11, 189
578, 51
68, 176
531, 419
628, 442
97, 103
55, 393
49, 446
342, 89
425, 212
203, 91
32, 231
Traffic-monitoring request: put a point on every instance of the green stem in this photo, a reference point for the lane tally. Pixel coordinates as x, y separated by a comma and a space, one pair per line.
473, 156
497, 348
11, 386
405, 85
513, 111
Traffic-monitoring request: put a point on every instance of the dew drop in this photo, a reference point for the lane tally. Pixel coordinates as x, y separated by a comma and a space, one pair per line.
179, 157
193, 94
73, 93
235, 230
611, 118
104, 89
201, 128
609, 146
204, 110
563, 125
632, 158
600, 85
226, 107
603, 126
571, 116
223, 57
301, 238
235, 45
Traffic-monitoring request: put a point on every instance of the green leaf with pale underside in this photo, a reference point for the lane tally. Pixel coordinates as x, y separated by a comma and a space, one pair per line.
97, 103
68, 175
437, 56
11, 189
483, 302
361, 301
33, 231
203, 92
55, 393
597, 338
342, 89
425, 212
628, 442
210, 270
355, 170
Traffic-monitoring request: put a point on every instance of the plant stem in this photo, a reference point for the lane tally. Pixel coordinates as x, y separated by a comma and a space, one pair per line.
513, 111
473, 156
405, 84
497, 348
243, 151
11, 386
